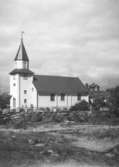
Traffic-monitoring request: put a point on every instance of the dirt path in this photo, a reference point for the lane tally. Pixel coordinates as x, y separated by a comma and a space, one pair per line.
90, 143
95, 145
58, 127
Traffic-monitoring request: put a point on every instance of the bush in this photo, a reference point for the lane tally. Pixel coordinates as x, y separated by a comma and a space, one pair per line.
76, 116
58, 117
20, 123
36, 117
82, 106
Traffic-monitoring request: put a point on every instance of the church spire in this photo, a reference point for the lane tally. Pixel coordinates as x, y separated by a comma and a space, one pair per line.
21, 53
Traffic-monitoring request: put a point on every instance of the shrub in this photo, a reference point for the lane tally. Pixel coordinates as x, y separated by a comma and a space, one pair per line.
82, 106
58, 117
76, 116
20, 123
36, 117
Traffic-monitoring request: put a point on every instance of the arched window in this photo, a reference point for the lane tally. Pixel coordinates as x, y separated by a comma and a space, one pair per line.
14, 84
25, 100
25, 91
14, 102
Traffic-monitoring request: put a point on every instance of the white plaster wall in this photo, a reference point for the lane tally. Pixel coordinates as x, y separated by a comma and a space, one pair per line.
34, 96
26, 84
17, 91
44, 101
14, 90
69, 101
60, 102
74, 100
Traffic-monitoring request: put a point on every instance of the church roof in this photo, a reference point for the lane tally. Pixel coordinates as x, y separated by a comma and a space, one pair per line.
21, 53
21, 71
58, 84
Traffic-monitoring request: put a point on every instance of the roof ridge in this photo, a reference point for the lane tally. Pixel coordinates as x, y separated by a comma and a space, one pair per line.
59, 76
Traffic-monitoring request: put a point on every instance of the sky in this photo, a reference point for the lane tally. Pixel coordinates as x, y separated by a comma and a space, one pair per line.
62, 37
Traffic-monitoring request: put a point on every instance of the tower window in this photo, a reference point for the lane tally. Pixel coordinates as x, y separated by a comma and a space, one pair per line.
52, 97
25, 100
32, 89
14, 78
62, 97
25, 91
14, 84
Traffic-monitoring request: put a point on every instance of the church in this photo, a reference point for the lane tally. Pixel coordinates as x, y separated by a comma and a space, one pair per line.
28, 90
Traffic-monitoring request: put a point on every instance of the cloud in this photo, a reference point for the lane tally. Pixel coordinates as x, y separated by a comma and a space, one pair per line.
63, 37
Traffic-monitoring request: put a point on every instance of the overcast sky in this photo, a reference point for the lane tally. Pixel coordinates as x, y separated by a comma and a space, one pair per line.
62, 37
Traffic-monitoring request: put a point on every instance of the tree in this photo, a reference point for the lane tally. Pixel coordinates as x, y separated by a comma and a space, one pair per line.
114, 100
4, 100
98, 103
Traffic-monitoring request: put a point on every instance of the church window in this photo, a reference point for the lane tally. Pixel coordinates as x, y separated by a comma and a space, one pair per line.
14, 84
25, 100
52, 97
14, 78
78, 97
62, 97
25, 91
14, 102
32, 106
32, 89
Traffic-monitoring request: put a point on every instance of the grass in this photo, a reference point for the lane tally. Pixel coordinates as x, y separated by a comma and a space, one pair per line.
57, 147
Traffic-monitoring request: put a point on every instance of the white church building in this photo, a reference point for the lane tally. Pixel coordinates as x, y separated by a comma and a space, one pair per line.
40, 91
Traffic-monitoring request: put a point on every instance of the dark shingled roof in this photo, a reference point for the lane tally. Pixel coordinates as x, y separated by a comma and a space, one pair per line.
21, 54
58, 84
21, 71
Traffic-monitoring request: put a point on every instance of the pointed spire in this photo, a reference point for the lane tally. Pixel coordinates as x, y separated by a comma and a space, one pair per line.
21, 54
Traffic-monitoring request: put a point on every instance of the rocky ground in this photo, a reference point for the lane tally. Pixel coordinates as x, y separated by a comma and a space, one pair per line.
62, 145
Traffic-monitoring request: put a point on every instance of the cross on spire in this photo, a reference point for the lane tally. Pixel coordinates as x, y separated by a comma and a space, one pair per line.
22, 33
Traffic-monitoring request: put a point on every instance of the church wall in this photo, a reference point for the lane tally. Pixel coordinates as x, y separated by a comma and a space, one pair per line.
44, 101
26, 85
72, 100
60, 102
34, 97
17, 86
14, 90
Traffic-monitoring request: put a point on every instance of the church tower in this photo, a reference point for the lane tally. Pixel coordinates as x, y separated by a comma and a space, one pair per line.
21, 79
